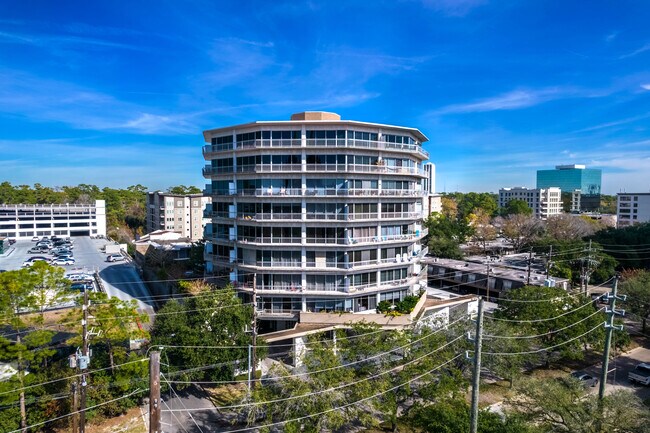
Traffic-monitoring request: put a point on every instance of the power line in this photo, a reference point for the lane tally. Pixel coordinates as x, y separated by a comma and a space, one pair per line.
182, 404
541, 320
346, 385
545, 348
137, 391
71, 377
350, 404
555, 331
342, 365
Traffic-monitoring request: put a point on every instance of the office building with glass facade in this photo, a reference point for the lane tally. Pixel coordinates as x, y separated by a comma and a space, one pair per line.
573, 178
319, 214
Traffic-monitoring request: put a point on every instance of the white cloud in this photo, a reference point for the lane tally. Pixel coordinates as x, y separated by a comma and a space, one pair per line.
645, 86
636, 52
508, 101
44, 100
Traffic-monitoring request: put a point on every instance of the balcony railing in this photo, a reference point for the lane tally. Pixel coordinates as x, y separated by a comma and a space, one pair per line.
261, 192
317, 192
217, 148
269, 240
327, 241
255, 144
401, 215
269, 216
327, 216
316, 142
269, 168
297, 168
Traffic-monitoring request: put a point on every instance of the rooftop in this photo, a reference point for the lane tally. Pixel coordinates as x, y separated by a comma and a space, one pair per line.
315, 118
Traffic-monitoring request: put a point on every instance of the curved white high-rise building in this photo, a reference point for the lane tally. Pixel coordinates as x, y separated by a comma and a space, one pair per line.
323, 214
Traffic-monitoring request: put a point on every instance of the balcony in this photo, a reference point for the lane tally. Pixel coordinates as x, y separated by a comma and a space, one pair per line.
401, 215
270, 168
207, 171
382, 239
209, 150
269, 264
324, 216
366, 144
268, 240
327, 241
269, 216
264, 192
266, 143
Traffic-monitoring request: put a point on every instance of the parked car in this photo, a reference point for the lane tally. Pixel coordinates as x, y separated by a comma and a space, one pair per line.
115, 258
78, 276
63, 261
44, 244
585, 378
34, 250
36, 239
60, 250
81, 286
11, 241
30, 261
640, 374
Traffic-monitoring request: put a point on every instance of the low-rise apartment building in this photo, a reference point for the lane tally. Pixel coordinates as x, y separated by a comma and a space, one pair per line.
544, 202
24, 221
632, 208
180, 213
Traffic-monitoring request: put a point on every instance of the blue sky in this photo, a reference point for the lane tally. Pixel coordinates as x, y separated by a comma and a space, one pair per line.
118, 93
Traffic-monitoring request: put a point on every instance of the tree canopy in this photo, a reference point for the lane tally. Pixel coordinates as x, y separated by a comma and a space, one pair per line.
516, 207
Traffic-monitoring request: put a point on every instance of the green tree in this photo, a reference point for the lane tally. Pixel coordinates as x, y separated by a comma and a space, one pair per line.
446, 234
516, 207
16, 297
452, 416
213, 318
505, 337
626, 245
565, 406
49, 287
471, 202
636, 285
556, 316
183, 190
116, 322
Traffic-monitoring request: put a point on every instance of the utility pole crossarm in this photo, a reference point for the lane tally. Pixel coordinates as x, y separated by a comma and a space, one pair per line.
609, 329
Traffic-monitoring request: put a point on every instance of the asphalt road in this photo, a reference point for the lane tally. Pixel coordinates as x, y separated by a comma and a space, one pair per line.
619, 368
182, 417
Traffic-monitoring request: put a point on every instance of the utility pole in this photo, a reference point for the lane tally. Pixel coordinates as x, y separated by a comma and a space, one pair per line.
609, 329
75, 405
154, 393
476, 374
530, 259
83, 362
549, 263
487, 279
253, 362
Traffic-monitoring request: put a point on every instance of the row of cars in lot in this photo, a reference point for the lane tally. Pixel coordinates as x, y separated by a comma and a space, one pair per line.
80, 281
58, 249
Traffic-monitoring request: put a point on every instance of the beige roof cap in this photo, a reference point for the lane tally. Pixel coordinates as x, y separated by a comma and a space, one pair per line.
315, 115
